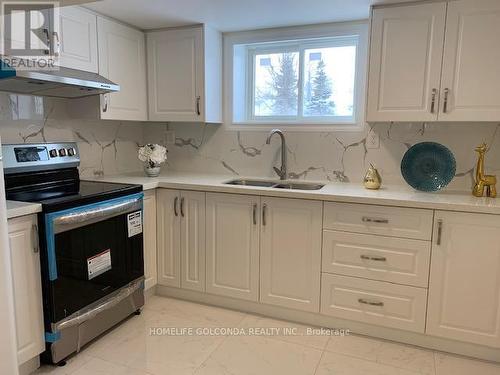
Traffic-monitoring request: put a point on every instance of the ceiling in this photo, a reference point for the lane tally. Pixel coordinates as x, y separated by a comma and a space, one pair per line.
234, 15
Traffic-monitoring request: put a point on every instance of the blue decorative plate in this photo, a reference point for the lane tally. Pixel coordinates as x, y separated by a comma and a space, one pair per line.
428, 166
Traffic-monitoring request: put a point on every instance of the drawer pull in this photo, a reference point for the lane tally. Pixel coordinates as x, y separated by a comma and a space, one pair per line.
376, 259
367, 219
371, 303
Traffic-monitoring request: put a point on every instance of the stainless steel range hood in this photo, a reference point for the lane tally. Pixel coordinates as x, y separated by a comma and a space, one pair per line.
60, 83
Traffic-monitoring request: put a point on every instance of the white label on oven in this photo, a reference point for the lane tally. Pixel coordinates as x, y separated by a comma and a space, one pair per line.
134, 223
98, 264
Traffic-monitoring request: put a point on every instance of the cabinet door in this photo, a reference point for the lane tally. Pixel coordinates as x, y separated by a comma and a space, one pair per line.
192, 210
150, 273
405, 62
175, 75
122, 59
77, 39
233, 223
471, 72
26, 280
168, 237
464, 292
290, 263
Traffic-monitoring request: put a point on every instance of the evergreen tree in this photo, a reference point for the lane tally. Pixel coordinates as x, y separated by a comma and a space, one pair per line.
320, 103
284, 84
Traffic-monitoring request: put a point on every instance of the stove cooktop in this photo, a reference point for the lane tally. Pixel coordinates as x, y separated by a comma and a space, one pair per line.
73, 193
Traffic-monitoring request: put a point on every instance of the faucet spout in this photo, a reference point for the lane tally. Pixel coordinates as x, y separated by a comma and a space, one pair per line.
281, 172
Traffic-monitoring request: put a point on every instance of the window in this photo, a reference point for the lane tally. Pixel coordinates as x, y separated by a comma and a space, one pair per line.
308, 81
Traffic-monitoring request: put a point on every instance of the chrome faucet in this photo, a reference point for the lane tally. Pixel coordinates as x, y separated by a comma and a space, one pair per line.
282, 172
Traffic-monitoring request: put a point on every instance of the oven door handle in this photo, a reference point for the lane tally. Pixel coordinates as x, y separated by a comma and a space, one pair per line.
96, 214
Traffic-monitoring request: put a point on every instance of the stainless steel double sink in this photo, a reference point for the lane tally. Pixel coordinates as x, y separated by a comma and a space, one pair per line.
276, 184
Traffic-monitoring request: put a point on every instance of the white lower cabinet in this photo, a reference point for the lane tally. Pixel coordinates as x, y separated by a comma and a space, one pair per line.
181, 239
375, 302
150, 273
233, 225
26, 281
464, 288
290, 261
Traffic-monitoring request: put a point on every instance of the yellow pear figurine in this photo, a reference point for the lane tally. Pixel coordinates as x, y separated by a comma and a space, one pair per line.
372, 178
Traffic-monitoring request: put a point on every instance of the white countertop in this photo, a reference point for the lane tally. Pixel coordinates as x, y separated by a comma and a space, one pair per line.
16, 209
336, 192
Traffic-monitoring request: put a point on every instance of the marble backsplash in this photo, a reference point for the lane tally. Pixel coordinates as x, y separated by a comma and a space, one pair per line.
110, 147
106, 147
334, 156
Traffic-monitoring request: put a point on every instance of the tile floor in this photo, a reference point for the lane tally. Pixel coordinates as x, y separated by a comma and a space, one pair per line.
131, 349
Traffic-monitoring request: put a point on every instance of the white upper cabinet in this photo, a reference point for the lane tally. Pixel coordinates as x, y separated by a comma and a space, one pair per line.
405, 62
122, 59
290, 259
464, 288
77, 45
184, 75
471, 68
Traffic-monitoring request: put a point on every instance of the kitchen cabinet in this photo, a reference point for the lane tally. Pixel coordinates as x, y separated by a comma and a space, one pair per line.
435, 62
26, 281
76, 42
464, 292
185, 74
233, 226
405, 62
471, 73
181, 239
122, 59
375, 302
290, 261
150, 261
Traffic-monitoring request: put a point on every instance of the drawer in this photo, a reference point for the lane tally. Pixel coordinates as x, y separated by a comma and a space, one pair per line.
396, 260
388, 221
374, 302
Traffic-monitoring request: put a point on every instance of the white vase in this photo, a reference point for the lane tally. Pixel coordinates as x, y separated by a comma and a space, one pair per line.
152, 171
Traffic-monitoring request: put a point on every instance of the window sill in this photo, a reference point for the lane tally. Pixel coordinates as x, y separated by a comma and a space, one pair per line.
294, 126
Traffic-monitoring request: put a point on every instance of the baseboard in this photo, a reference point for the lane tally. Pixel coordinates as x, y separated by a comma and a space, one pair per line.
30, 366
318, 320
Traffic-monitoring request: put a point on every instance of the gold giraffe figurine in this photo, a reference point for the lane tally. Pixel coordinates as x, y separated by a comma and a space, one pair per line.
482, 180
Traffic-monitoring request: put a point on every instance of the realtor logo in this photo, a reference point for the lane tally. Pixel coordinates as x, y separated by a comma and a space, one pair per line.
30, 34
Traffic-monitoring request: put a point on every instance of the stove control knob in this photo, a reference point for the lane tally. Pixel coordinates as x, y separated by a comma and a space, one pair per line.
71, 151
53, 153
62, 152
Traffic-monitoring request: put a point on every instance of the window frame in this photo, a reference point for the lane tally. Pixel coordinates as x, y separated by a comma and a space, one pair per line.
282, 40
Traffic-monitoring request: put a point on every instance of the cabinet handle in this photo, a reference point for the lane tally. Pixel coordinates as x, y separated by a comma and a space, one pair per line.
371, 303
176, 200
433, 100
376, 259
105, 108
255, 214
445, 105
47, 39
198, 110
35, 238
440, 232
58, 43
182, 206
264, 213
367, 219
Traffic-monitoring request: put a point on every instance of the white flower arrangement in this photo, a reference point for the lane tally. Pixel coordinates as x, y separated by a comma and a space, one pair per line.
153, 154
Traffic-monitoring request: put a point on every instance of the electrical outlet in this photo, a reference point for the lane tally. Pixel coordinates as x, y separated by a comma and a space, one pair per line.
169, 137
373, 140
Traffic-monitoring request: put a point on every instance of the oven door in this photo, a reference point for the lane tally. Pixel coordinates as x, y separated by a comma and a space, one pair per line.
92, 251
